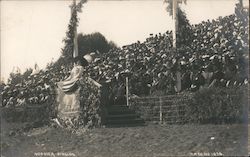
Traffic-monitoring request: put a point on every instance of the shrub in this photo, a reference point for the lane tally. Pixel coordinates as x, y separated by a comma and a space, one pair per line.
28, 114
218, 105
90, 102
207, 106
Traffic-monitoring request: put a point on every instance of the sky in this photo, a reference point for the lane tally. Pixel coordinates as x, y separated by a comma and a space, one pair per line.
32, 31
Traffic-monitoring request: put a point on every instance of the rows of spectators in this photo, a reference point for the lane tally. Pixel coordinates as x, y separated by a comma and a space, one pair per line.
33, 87
217, 56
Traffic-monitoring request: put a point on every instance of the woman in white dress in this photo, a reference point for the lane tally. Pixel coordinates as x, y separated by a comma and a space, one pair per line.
68, 94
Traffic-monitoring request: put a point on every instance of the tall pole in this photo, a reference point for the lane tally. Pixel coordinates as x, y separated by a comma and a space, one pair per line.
175, 22
127, 90
75, 52
127, 98
175, 30
75, 43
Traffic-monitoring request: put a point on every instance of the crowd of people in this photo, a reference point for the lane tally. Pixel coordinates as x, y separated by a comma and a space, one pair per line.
33, 87
217, 56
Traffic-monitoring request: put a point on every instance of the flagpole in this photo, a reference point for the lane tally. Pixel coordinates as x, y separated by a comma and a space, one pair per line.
75, 52
175, 30
126, 82
75, 43
175, 22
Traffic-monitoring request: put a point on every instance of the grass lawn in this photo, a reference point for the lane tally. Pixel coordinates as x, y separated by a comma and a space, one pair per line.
149, 141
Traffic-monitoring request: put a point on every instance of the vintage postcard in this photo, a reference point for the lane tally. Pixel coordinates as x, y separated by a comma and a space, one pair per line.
124, 78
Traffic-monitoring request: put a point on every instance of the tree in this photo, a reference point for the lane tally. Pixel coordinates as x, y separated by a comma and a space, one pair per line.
112, 45
94, 42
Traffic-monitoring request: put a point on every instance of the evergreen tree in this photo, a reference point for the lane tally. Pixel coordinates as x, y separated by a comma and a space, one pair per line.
94, 42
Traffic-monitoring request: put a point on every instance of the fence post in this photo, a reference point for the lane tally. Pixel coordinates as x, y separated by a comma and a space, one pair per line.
160, 110
127, 91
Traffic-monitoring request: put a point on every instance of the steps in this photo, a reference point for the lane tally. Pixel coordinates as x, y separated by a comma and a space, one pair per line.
122, 116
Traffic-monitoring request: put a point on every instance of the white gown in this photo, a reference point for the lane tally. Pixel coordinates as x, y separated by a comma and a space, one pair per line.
68, 98
75, 74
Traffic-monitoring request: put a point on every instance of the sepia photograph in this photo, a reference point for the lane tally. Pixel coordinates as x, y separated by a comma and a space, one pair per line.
124, 78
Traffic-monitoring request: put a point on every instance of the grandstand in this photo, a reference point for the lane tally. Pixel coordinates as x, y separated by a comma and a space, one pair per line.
217, 56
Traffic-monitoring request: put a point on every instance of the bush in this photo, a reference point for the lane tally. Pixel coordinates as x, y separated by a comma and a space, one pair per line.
90, 102
206, 106
30, 114
218, 105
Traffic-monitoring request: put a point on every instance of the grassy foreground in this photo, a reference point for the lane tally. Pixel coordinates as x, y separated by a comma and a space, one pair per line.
149, 141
